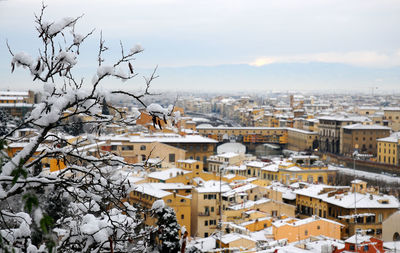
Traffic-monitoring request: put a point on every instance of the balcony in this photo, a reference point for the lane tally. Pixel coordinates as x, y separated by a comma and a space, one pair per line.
203, 214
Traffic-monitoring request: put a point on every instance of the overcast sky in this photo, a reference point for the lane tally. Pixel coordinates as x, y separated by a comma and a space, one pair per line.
180, 34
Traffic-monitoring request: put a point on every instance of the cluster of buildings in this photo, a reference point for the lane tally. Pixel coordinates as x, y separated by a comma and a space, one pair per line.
227, 198
335, 125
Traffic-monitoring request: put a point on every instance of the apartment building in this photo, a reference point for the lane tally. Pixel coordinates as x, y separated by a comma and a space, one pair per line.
206, 207
388, 149
362, 138
330, 130
146, 194
295, 230
224, 160
17, 103
302, 140
356, 208
197, 147
392, 117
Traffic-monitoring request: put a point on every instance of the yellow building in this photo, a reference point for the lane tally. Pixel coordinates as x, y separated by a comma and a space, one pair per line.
301, 169
295, 230
388, 149
302, 140
247, 134
196, 167
205, 209
234, 242
226, 159
196, 147
17, 103
147, 194
258, 224
171, 175
271, 208
392, 118
361, 137
367, 110
359, 208
134, 152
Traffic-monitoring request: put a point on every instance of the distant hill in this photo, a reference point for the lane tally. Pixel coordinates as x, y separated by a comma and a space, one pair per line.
279, 76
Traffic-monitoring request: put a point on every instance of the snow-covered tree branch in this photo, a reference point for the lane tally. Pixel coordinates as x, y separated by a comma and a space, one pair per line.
82, 207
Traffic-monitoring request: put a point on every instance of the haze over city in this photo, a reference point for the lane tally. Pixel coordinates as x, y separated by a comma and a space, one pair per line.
200, 126
227, 45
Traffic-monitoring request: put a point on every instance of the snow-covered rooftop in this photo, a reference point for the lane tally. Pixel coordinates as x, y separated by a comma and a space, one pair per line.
14, 93
228, 155
231, 237
296, 222
347, 199
151, 190
213, 186
239, 189
168, 173
163, 138
366, 127
346, 118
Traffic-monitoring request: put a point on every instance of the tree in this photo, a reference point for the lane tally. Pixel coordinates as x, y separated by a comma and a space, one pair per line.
105, 110
167, 227
75, 127
7, 122
90, 212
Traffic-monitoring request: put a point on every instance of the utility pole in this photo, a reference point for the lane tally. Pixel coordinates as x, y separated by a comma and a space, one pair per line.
221, 169
355, 196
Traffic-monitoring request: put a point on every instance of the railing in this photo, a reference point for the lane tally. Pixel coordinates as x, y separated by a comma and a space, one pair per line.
203, 214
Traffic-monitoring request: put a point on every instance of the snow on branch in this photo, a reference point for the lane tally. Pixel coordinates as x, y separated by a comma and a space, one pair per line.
83, 205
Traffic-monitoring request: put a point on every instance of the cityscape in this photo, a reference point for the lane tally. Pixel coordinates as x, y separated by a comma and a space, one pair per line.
89, 165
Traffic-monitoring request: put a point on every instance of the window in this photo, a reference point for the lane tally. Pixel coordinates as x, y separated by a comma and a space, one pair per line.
205, 234
127, 147
212, 209
169, 200
114, 147
380, 218
182, 216
366, 248
183, 200
142, 147
318, 227
206, 223
205, 196
352, 247
306, 232
171, 158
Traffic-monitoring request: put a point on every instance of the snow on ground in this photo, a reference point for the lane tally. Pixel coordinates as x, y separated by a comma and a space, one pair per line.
368, 175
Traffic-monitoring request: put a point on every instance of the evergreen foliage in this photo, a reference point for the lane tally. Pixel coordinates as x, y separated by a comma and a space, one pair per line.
167, 229
105, 110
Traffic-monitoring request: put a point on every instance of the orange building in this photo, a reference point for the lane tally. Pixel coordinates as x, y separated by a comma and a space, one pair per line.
362, 243
295, 230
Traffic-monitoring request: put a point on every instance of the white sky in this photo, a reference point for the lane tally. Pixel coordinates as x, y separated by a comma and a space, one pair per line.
184, 33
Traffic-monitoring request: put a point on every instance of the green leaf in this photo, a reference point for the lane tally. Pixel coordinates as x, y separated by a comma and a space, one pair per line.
17, 172
45, 223
50, 245
30, 201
